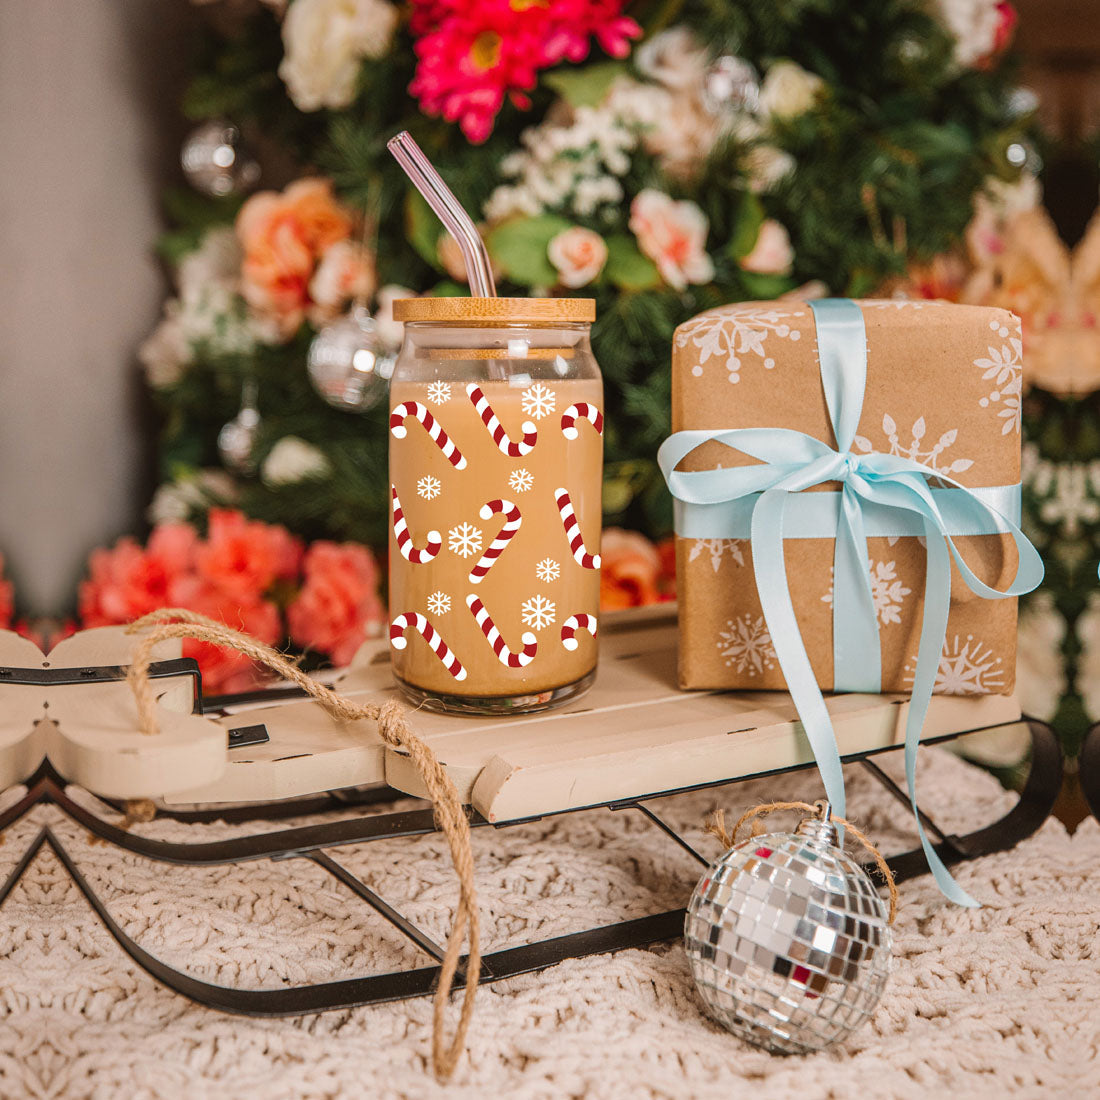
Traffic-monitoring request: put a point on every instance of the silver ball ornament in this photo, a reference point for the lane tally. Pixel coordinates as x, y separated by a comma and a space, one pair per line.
349, 364
788, 940
216, 162
237, 439
731, 84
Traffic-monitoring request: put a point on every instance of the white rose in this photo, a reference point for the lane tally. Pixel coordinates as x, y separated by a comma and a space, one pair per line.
216, 260
789, 90
167, 351
974, 24
772, 254
325, 42
674, 58
346, 271
578, 254
292, 460
178, 501
766, 166
390, 331
674, 236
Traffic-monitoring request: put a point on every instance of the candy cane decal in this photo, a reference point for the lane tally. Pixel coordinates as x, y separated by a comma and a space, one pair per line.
431, 426
573, 532
430, 635
404, 539
582, 410
572, 625
496, 429
492, 635
512, 521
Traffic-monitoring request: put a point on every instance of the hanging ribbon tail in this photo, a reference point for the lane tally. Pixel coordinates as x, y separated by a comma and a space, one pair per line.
775, 600
857, 650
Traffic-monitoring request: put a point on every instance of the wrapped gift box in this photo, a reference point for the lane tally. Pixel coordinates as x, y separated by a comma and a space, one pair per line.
943, 387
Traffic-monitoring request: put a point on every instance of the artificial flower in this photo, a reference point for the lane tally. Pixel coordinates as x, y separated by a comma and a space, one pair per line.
981, 28
284, 237
473, 54
772, 253
767, 166
346, 272
391, 332
179, 500
630, 570
578, 254
325, 43
338, 606
673, 235
789, 90
291, 460
7, 600
241, 558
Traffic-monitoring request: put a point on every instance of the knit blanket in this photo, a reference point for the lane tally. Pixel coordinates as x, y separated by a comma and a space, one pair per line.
990, 1002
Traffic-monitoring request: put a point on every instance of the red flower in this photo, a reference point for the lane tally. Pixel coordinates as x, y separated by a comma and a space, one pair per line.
339, 604
243, 558
473, 53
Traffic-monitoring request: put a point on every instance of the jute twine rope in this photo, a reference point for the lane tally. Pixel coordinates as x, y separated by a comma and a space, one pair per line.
394, 729
716, 826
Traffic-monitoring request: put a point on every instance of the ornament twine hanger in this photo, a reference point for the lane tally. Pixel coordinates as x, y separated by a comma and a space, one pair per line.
394, 729
716, 826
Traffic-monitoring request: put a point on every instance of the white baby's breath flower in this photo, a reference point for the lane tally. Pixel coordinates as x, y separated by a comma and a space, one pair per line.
325, 42
292, 460
166, 353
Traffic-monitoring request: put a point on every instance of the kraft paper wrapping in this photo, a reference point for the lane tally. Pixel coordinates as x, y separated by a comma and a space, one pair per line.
943, 387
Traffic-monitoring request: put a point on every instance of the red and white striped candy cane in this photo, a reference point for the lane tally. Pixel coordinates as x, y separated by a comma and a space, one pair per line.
432, 426
572, 625
429, 633
496, 429
492, 635
512, 521
404, 539
573, 532
582, 410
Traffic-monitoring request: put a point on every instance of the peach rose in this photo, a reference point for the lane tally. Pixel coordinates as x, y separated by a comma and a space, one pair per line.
241, 558
674, 236
346, 271
283, 237
630, 570
772, 254
338, 605
578, 254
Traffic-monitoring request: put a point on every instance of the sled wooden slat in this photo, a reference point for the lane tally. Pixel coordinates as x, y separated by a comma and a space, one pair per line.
634, 734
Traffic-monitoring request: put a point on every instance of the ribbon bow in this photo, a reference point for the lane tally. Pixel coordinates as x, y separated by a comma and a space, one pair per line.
880, 494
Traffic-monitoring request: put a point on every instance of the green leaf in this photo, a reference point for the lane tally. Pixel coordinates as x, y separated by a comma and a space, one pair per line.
519, 248
746, 226
626, 267
766, 287
422, 228
585, 87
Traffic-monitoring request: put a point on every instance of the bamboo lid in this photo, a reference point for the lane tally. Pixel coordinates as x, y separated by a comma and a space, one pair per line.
489, 311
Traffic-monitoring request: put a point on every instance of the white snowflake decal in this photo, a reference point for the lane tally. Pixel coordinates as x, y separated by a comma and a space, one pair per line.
538, 612
548, 570
428, 487
717, 549
538, 401
1004, 367
886, 589
465, 539
439, 603
733, 332
747, 645
966, 668
519, 481
439, 392
915, 448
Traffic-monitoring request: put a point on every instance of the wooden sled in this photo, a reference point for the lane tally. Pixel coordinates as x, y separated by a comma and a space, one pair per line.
634, 738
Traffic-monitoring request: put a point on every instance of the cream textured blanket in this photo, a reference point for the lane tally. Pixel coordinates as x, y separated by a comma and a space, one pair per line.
999, 1001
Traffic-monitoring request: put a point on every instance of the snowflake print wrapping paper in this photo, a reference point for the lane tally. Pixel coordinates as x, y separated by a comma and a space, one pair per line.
943, 388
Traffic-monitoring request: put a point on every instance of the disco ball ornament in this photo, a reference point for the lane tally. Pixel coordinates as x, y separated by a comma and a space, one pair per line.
349, 365
216, 162
731, 84
237, 439
788, 940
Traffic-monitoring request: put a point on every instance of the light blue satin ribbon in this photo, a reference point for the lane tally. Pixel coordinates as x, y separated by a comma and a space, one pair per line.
881, 494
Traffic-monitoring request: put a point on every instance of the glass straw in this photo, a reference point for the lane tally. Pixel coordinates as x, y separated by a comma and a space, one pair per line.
449, 210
